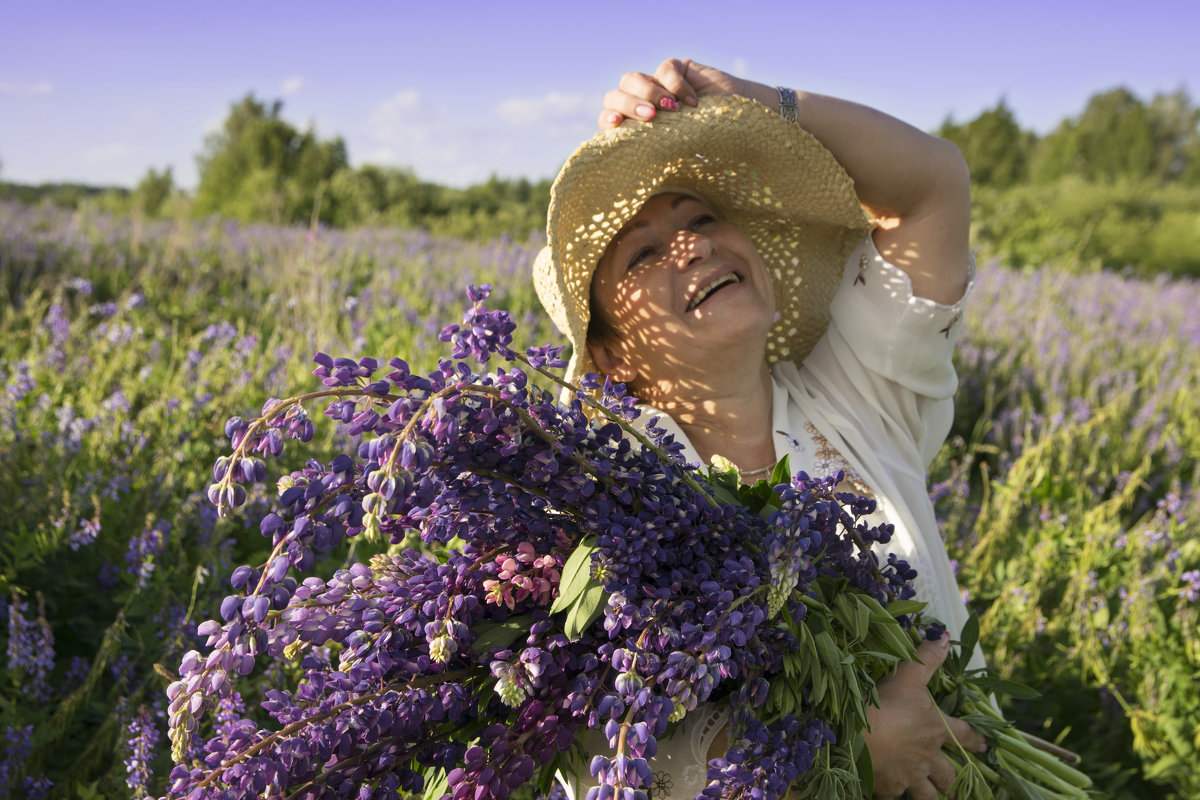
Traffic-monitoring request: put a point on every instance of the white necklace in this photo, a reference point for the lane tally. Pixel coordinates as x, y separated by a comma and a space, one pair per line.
759, 471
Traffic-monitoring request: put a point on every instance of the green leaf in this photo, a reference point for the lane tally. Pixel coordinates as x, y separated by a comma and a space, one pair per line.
967, 641
584, 612
782, 472
436, 784
866, 772
899, 608
576, 575
1018, 691
500, 634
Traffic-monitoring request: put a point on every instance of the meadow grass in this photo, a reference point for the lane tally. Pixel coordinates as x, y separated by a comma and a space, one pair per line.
1067, 493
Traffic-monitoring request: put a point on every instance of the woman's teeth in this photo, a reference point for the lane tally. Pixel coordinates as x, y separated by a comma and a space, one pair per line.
706, 291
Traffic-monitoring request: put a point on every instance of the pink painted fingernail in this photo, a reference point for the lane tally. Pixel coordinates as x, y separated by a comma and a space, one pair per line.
614, 118
645, 111
669, 104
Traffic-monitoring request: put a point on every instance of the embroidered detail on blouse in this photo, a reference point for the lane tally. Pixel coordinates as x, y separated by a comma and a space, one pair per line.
793, 442
829, 461
862, 271
954, 321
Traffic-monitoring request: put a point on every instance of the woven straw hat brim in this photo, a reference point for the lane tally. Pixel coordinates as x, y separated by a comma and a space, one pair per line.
766, 175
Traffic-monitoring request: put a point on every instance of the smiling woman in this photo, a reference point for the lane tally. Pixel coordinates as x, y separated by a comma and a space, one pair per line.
709, 248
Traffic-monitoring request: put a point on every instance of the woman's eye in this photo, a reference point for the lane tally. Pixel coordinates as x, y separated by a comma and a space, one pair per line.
639, 258
702, 220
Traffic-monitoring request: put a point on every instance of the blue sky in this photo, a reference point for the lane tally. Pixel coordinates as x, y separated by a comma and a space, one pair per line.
101, 91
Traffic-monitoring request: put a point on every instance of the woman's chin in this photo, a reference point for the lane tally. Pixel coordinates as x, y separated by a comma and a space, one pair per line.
738, 317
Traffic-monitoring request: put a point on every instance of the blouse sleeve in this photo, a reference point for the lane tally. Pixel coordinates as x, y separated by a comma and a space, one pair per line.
893, 349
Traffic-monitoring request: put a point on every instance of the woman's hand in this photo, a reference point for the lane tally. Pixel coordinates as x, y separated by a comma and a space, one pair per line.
907, 731
676, 82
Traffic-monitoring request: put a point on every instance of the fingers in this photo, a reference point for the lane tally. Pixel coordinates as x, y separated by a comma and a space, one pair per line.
923, 790
930, 656
641, 96
672, 75
966, 736
941, 773
630, 105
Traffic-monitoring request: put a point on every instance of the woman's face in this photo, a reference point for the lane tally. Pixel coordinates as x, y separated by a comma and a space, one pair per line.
683, 291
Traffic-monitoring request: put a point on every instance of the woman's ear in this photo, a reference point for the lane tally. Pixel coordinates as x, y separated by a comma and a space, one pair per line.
611, 361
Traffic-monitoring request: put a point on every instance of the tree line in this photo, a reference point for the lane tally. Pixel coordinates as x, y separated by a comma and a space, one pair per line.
1116, 186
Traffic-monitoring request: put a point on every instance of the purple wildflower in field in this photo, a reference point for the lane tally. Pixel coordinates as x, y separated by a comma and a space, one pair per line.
1191, 589
143, 737
135, 301
58, 326
37, 788
120, 668
81, 285
30, 647
17, 749
77, 671
140, 555
108, 576
19, 383
86, 533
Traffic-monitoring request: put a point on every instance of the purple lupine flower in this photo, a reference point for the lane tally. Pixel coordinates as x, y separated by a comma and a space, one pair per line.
1191, 589
143, 738
139, 556
30, 647
18, 746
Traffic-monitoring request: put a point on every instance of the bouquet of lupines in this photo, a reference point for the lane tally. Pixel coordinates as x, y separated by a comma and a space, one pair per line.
574, 574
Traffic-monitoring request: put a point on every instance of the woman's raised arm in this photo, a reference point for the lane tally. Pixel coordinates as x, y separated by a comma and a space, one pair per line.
916, 185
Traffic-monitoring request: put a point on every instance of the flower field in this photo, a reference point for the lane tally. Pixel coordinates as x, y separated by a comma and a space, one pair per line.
1067, 492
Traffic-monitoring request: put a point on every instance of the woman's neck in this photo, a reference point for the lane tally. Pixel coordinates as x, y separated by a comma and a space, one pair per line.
733, 421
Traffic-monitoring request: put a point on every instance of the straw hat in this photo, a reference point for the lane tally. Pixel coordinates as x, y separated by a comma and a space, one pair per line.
766, 175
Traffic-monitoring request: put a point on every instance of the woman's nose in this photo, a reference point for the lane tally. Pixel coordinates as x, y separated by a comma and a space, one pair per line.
690, 247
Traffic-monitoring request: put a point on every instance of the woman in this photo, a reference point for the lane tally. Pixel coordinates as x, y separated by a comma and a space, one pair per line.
711, 255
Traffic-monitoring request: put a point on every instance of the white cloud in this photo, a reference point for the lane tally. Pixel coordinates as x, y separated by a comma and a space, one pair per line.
26, 90
460, 145
291, 85
108, 154
526, 111
398, 116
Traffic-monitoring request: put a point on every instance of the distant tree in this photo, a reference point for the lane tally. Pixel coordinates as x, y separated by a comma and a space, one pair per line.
153, 191
1175, 123
1112, 139
258, 167
995, 147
